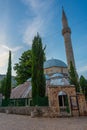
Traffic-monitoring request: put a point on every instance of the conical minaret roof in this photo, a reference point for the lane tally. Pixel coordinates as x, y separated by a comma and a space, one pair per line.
66, 27
64, 19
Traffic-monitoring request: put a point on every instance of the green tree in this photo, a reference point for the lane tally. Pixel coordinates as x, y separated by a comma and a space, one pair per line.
23, 68
2, 86
38, 78
8, 79
74, 77
83, 84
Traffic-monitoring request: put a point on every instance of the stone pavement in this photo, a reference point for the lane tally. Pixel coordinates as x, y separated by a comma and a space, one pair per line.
21, 122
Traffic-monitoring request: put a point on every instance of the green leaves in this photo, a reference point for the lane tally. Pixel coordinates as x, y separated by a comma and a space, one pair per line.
38, 79
74, 77
8, 79
83, 84
23, 68
2, 86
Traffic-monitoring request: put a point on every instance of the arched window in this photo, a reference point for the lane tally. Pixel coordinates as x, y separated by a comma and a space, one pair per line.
63, 99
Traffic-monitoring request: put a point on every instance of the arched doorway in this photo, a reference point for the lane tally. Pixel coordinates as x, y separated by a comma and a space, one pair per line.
63, 102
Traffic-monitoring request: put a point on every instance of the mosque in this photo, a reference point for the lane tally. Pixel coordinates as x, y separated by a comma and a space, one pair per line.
55, 70
58, 88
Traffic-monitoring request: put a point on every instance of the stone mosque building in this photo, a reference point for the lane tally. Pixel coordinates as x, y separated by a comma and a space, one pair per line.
58, 88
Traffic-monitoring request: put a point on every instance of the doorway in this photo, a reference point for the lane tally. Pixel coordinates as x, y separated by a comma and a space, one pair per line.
63, 102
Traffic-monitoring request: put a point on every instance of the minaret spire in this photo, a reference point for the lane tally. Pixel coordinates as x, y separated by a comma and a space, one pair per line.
64, 19
66, 32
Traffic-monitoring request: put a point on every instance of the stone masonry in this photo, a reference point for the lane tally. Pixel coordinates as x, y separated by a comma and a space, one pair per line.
53, 96
70, 91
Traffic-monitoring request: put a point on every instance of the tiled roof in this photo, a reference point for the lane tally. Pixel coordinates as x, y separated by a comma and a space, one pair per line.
25, 90
21, 91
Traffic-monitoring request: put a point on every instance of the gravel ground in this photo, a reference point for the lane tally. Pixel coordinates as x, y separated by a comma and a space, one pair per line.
20, 122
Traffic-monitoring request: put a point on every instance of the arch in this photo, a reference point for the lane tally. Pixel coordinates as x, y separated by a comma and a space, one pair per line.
63, 101
62, 93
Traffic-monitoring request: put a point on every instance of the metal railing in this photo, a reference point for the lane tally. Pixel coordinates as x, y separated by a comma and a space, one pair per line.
42, 101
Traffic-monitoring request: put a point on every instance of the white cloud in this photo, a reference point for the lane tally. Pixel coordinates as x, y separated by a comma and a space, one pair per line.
12, 49
5, 47
35, 5
5, 39
39, 9
3, 59
32, 29
82, 69
17, 48
4, 53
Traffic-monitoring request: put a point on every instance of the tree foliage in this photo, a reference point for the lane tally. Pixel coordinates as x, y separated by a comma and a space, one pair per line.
8, 79
2, 86
23, 68
38, 78
74, 77
83, 84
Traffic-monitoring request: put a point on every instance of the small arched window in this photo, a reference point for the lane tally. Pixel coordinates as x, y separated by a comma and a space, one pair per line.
63, 99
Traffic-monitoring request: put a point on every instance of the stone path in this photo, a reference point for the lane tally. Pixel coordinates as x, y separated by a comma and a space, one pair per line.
20, 122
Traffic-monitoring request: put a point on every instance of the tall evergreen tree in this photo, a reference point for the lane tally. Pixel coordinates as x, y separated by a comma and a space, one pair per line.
2, 86
38, 78
83, 84
74, 77
8, 79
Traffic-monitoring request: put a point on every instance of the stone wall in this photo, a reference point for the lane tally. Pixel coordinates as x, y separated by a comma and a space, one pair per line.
80, 107
53, 70
53, 96
82, 104
53, 110
17, 110
43, 111
46, 111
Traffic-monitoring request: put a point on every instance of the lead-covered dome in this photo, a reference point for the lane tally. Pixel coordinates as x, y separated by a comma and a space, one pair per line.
54, 63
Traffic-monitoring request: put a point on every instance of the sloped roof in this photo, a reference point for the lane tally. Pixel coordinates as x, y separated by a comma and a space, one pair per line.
57, 75
54, 63
59, 81
21, 91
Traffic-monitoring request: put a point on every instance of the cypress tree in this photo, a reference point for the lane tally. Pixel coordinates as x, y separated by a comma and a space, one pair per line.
8, 79
2, 86
74, 77
38, 78
83, 84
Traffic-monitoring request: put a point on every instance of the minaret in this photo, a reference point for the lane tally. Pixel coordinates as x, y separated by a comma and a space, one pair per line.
66, 32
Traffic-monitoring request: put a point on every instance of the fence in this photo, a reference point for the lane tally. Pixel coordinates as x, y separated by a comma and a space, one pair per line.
24, 102
16, 102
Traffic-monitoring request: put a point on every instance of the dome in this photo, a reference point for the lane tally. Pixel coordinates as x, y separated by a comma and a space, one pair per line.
54, 63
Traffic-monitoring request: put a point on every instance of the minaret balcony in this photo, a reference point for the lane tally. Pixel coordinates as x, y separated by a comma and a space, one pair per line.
66, 30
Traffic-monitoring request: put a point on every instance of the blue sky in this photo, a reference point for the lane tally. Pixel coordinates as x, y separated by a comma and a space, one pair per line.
20, 20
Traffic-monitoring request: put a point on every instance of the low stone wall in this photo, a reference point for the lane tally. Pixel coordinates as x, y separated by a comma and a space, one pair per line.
32, 111
17, 110
45, 111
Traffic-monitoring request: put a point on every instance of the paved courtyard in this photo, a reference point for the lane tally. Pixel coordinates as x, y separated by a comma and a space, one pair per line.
20, 122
